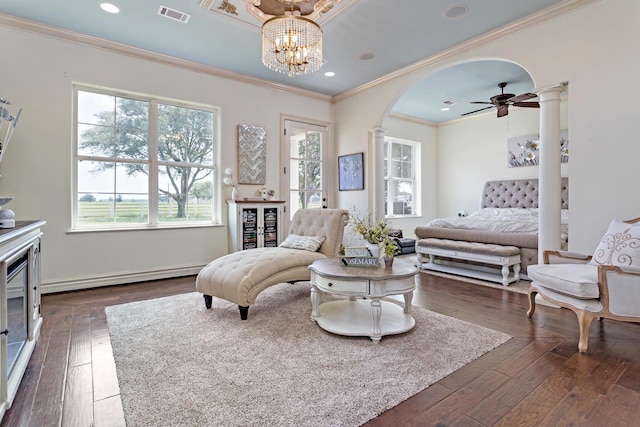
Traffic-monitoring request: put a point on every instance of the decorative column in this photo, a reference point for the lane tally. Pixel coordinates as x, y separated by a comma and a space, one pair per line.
376, 191
550, 189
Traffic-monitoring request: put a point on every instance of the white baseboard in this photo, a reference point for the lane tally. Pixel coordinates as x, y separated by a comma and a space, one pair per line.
117, 279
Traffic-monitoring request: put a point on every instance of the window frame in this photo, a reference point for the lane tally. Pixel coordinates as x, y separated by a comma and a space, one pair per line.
152, 162
415, 180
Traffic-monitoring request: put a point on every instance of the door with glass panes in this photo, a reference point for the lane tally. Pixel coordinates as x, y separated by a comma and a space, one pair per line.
304, 151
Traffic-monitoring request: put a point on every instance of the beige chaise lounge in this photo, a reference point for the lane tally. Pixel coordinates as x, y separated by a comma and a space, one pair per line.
239, 277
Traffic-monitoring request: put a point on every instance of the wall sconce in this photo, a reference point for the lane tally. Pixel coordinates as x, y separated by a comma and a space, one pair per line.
228, 180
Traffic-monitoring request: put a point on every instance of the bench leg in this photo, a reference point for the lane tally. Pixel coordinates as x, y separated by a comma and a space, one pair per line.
505, 275
516, 271
244, 312
208, 299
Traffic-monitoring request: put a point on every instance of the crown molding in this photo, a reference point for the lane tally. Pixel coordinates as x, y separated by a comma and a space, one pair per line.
412, 119
547, 14
138, 53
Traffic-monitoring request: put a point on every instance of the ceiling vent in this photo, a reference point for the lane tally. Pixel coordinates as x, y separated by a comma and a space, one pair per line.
174, 14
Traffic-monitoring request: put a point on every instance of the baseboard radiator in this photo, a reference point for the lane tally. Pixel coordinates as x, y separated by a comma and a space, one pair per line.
75, 284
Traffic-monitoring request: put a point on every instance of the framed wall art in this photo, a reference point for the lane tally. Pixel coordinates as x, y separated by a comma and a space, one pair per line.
351, 172
252, 154
525, 150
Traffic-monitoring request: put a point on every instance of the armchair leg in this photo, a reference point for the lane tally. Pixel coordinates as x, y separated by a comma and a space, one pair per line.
532, 302
244, 312
584, 320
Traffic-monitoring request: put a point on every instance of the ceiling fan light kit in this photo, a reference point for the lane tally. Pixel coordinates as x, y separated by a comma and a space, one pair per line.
502, 101
292, 44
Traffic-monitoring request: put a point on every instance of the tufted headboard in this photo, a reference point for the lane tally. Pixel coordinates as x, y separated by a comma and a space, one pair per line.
517, 193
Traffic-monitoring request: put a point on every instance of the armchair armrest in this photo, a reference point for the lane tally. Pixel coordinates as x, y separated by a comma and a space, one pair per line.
620, 290
565, 257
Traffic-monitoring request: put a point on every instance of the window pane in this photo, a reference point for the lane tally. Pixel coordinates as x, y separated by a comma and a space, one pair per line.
403, 200
185, 194
185, 135
120, 130
296, 169
94, 108
313, 175
313, 146
111, 192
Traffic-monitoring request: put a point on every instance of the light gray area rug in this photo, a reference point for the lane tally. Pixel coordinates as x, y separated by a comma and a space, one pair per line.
179, 364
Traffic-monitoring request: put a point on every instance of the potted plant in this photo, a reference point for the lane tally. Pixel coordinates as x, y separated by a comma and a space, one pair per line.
372, 230
390, 251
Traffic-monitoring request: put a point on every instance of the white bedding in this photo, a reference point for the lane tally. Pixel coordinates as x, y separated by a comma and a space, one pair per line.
506, 220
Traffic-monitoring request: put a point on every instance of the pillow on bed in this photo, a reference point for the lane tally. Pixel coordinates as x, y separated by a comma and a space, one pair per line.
620, 245
306, 243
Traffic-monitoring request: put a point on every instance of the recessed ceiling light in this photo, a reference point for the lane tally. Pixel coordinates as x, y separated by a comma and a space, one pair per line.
456, 12
445, 109
367, 56
329, 74
110, 8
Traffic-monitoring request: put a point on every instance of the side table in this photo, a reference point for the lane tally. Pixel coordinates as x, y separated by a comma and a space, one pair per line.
356, 316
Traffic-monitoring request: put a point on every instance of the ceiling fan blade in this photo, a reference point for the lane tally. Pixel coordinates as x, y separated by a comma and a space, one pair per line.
527, 104
503, 110
480, 102
471, 112
522, 97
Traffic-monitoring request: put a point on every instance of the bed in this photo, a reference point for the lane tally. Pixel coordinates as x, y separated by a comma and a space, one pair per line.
508, 217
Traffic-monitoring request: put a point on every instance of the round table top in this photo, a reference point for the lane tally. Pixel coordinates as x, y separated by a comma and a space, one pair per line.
333, 267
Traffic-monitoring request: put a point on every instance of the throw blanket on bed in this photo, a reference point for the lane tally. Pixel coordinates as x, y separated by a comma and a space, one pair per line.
501, 220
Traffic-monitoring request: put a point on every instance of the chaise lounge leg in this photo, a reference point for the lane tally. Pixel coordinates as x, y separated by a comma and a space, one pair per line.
244, 312
208, 299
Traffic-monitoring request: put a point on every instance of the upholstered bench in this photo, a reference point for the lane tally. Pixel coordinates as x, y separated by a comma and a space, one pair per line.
240, 276
477, 255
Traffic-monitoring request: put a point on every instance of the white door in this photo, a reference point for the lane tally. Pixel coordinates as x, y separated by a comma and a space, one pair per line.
304, 153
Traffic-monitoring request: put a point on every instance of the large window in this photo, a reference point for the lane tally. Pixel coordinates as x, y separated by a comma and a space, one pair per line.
401, 170
142, 162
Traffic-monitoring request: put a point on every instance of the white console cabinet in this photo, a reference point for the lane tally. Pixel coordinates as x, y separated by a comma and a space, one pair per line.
255, 224
20, 318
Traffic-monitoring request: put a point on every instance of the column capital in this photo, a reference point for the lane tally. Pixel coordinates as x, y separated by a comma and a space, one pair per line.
378, 131
551, 89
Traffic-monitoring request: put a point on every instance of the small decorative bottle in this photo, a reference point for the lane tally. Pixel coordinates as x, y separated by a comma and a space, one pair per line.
234, 193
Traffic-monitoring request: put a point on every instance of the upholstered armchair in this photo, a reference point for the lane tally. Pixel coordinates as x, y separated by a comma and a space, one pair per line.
240, 276
605, 285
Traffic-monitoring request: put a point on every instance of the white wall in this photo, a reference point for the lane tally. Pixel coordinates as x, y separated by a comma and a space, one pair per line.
595, 49
473, 150
36, 169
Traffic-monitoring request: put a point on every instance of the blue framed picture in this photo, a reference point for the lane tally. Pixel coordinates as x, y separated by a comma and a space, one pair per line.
351, 172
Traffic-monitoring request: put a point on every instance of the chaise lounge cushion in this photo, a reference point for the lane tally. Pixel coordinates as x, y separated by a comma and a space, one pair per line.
242, 276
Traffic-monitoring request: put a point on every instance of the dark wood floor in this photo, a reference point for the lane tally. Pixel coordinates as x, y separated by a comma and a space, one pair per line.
535, 379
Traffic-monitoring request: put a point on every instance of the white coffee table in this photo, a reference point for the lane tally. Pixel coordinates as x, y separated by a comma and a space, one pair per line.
364, 313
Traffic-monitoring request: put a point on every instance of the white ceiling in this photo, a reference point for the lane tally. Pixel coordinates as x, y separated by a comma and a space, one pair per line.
398, 33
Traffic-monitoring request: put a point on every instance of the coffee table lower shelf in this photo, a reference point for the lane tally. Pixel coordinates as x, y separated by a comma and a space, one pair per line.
353, 317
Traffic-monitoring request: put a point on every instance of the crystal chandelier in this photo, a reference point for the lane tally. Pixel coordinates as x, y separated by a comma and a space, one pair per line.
292, 44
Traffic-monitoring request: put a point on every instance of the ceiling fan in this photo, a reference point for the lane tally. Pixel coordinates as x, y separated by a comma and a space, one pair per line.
503, 100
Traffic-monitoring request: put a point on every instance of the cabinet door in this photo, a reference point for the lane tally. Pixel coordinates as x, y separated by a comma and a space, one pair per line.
271, 225
249, 228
